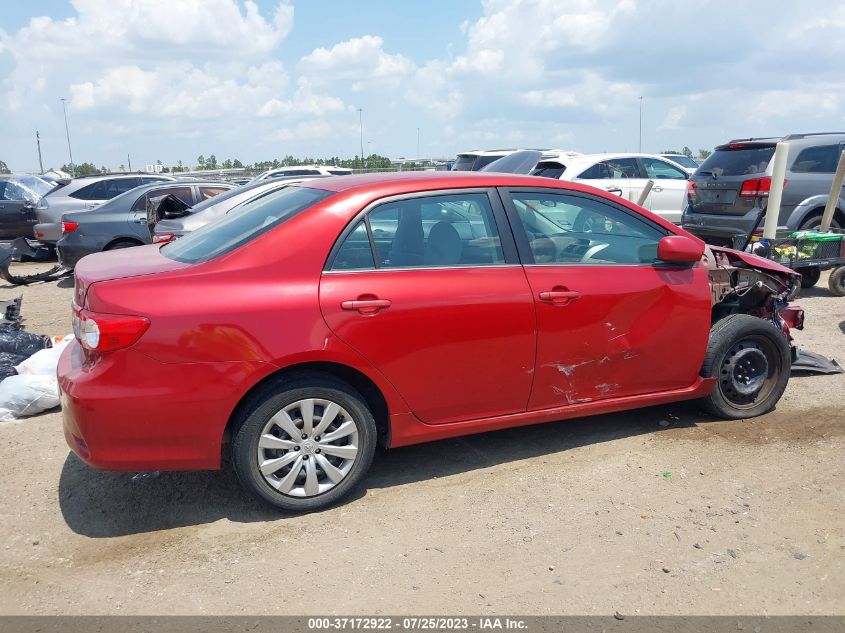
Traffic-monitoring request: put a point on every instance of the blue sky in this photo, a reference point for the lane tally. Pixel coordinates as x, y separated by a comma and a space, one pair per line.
172, 79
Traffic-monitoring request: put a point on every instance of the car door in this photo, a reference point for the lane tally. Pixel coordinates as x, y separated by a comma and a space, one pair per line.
17, 211
612, 321
669, 194
137, 218
447, 317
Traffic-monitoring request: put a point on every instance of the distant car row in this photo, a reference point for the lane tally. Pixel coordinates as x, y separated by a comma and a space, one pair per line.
717, 201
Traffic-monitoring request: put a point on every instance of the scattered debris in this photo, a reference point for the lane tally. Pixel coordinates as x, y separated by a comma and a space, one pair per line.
800, 556
146, 476
732, 553
812, 363
664, 423
697, 546
619, 532
666, 570
666, 474
618, 616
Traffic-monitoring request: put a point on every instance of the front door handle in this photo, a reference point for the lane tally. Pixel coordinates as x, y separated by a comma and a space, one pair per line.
366, 306
658, 189
559, 297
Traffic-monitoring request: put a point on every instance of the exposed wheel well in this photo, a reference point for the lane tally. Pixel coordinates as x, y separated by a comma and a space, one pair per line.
838, 215
354, 378
118, 240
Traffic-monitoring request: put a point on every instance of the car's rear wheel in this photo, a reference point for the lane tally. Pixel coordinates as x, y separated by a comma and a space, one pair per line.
815, 222
809, 276
750, 360
305, 443
836, 282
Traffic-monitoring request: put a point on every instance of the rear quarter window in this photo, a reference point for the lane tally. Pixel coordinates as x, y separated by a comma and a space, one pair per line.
250, 220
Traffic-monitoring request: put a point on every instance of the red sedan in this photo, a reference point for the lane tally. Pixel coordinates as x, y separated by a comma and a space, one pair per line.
327, 317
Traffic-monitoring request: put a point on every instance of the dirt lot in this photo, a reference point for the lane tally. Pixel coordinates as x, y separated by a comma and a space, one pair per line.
592, 516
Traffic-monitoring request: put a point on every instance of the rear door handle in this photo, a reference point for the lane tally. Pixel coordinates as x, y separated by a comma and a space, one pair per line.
366, 306
657, 189
559, 297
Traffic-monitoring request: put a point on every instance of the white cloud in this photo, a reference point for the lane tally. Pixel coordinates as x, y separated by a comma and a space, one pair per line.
305, 131
180, 90
673, 118
303, 101
356, 58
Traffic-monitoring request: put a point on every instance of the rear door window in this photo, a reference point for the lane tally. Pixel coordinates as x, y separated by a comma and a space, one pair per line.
817, 160
739, 161
615, 169
427, 231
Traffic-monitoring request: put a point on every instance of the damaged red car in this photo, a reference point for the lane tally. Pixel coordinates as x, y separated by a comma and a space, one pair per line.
327, 317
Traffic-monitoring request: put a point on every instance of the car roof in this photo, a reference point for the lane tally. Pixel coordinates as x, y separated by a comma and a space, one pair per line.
393, 183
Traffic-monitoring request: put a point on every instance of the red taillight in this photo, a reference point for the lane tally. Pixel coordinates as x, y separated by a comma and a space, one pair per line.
757, 187
691, 190
99, 332
737, 146
163, 238
69, 227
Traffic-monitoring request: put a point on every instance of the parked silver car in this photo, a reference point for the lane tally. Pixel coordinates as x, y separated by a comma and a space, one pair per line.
83, 194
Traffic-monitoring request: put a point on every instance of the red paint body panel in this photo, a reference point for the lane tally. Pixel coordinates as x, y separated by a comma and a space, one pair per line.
457, 344
620, 336
408, 430
458, 348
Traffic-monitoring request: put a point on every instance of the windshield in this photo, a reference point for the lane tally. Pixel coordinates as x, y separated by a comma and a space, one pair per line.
252, 219
684, 161
29, 188
738, 162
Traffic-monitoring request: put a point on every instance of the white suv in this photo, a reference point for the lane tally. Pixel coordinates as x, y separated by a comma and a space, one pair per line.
304, 170
625, 175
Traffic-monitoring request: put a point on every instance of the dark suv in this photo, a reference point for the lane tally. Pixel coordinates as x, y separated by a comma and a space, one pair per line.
726, 191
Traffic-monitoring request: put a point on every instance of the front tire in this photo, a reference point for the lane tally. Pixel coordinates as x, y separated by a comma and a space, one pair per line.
751, 361
809, 276
304, 444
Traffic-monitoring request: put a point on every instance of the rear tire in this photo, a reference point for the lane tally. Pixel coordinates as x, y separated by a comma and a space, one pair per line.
836, 282
297, 464
809, 276
815, 222
750, 359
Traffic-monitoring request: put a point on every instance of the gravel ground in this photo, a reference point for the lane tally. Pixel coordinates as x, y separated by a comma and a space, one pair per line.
657, 511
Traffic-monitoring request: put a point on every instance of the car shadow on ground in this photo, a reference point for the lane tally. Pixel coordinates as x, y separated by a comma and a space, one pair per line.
101, 504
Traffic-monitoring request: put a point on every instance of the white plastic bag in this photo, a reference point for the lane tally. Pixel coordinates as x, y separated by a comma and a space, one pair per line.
27, 395
45, 361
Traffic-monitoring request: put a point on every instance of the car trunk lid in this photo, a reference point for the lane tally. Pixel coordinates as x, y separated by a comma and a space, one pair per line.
732, 180
120, 264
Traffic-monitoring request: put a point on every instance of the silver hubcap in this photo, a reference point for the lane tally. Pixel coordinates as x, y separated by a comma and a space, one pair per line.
308, 447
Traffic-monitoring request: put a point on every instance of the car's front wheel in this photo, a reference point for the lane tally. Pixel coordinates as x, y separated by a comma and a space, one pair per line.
304, 444
750, 360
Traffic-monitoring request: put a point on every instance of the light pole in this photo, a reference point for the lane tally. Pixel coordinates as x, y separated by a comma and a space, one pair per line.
67, 133
361, 131
38, 142
641, 125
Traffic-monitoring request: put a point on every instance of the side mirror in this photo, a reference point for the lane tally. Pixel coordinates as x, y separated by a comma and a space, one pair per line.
679, 249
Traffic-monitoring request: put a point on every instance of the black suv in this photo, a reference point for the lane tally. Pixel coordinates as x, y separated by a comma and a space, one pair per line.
727, 190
